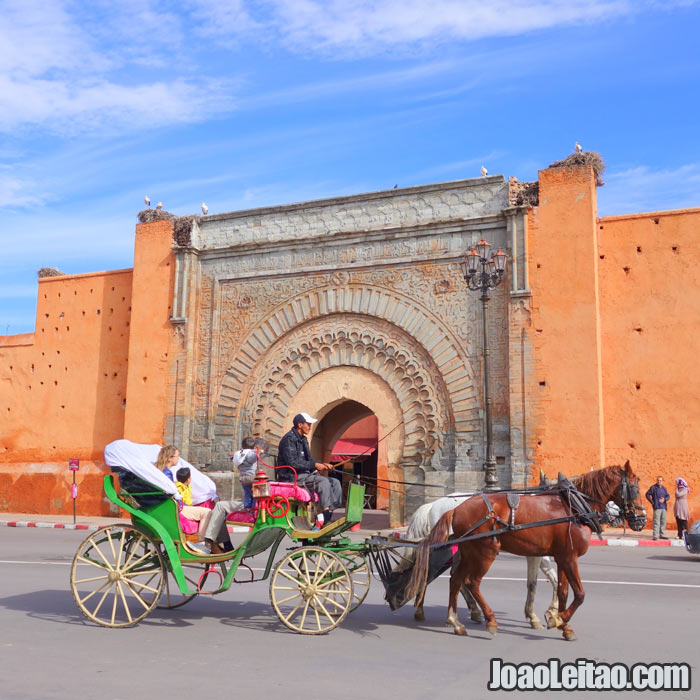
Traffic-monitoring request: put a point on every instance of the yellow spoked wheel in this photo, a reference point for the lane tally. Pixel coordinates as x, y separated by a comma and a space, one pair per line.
311, 590
117, 576
360, 576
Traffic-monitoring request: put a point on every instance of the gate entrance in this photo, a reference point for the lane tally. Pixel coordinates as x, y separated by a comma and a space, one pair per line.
349, 434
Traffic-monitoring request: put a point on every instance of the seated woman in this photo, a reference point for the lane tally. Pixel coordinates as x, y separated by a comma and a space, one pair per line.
168, 457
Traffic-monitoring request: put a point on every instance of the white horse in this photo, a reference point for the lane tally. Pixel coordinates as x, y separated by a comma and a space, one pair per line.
423, 521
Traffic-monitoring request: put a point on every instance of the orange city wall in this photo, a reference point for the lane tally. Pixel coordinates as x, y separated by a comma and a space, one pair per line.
62, 393
650, 327
614, 331
99, 339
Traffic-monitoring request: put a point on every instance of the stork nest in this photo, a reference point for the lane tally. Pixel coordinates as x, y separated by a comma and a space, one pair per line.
523, 193
182, 229
591, 158
49, 272
147, 216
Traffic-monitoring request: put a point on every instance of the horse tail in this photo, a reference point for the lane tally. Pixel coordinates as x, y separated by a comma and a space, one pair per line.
439, 534
418, 528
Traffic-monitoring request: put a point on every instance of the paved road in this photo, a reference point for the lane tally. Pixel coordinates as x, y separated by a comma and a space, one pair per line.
642, 605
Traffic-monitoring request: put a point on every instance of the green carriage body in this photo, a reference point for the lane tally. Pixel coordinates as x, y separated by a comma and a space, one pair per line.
329, 562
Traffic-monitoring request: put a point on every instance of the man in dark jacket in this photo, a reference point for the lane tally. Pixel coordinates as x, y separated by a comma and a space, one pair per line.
294, 451
658, 496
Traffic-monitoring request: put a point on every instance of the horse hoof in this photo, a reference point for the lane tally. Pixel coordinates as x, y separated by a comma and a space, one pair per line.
492, 629
536, 625
476, 617
461, 631
551, 621
419, 616
569, 635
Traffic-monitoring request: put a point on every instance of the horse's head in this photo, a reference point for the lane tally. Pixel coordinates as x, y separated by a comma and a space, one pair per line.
628, 497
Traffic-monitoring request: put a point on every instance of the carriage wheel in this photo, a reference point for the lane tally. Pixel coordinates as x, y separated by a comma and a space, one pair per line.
277, 506
359, 573
311, 590
358, 569
172, 597
117, 576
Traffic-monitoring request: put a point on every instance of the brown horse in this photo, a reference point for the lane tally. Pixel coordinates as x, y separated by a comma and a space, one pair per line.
564, 541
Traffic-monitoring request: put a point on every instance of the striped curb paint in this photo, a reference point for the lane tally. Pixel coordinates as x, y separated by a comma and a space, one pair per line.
611, 542
619, 542
77, 526
56, 526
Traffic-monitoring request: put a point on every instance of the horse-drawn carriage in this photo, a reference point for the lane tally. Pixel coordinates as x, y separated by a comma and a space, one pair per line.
122, 572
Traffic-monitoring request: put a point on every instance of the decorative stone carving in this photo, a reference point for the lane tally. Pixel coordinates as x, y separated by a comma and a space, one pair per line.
351, 340
285, 294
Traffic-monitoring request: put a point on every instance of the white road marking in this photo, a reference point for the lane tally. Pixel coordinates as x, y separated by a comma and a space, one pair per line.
607, 583
487, 578
17, 561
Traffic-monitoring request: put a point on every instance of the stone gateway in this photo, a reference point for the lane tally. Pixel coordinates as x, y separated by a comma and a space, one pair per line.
356, 309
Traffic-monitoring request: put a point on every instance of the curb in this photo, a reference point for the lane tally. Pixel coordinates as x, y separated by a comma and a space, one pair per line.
58, 526
619, 542
78, 526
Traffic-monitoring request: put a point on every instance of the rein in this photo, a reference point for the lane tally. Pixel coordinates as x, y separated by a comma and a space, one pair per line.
586, 517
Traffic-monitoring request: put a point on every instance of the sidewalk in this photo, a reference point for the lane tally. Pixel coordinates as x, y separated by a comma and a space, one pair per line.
372, 521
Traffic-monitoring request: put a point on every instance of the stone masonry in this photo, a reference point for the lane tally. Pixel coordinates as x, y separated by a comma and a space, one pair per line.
267, 299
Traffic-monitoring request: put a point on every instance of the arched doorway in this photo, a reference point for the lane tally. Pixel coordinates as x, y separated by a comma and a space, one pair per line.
364, 393
349, 434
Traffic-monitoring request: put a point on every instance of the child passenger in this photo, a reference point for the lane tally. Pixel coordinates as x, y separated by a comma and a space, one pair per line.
197, 513
246, 461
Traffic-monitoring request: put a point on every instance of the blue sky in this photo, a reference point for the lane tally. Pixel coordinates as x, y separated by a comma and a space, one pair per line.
244, 103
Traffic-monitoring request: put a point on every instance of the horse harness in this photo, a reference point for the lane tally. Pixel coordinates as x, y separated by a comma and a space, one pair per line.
580, 512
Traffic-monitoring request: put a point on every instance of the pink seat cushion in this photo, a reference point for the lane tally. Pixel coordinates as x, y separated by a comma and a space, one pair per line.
284, 488
189, 527
277, 488
242, 516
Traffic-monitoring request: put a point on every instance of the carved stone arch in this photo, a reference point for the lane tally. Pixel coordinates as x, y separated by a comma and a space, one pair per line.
354, 341
422, 327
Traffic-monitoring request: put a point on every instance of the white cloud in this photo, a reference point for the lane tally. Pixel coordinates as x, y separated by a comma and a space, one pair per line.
70, 67
67, 105
18, 191
228, 18
642, 188
367, 27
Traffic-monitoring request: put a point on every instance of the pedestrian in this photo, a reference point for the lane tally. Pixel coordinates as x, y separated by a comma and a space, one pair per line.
658, 496
680, 507
246, 461
294, 452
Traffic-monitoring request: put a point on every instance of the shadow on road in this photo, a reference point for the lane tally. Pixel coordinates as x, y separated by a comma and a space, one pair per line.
59, 607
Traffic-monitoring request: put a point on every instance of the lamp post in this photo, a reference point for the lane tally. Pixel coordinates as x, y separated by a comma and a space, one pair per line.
481, 274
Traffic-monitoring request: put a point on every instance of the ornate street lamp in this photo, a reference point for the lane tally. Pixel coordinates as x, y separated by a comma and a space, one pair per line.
482, 273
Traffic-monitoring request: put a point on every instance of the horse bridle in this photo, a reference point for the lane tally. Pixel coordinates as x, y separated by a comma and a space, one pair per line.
628, 493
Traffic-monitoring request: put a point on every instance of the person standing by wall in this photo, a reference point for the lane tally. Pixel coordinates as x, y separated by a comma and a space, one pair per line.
658, 496
680, 507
